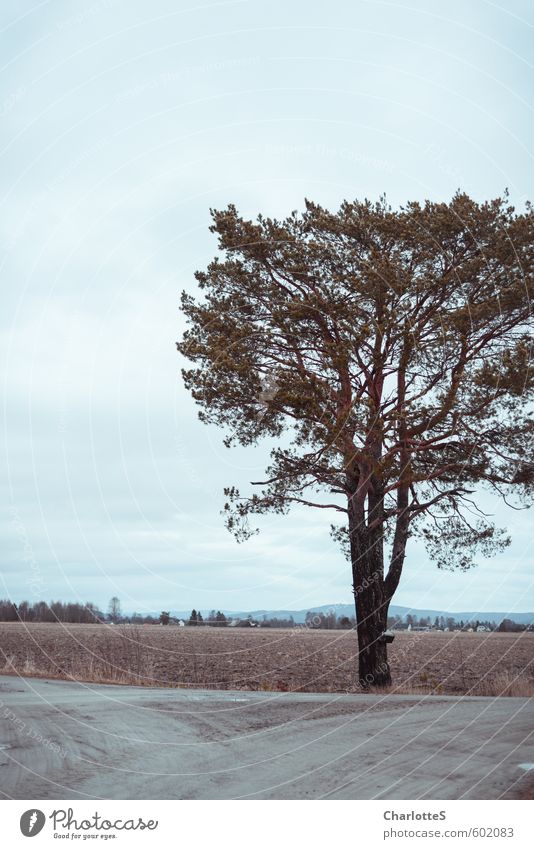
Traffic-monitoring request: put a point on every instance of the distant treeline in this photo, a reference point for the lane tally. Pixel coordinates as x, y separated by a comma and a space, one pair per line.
59, 611
89, 613
54, 611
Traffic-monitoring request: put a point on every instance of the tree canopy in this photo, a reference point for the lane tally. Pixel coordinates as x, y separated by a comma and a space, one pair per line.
388, 353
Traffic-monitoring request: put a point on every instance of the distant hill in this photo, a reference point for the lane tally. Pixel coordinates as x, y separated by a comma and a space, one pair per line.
348, 610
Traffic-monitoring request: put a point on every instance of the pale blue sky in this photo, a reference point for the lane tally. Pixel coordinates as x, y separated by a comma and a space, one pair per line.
122, 123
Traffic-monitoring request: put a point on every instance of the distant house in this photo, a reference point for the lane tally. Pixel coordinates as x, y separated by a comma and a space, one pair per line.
241, 623
181, 623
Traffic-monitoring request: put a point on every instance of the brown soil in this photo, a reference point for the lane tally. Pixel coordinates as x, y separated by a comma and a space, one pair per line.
266, 659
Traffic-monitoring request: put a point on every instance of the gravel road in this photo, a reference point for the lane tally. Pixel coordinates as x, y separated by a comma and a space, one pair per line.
65, 740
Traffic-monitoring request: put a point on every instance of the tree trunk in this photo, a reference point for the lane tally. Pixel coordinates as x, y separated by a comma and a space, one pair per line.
371, 601
371, 619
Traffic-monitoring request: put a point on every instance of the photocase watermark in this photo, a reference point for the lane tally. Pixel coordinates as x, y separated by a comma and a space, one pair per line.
357, 589
65, 819
269, 391
370, 679
34, 580
29, 732
67, 382
166, 78
310, 623
438, 156
315, 620
32, 822
183, 457
331, 152
19, 224
79, 159
85, 14
9, 102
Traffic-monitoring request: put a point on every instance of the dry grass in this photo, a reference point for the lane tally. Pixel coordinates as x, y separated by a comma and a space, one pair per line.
505, 684
118, 657
502, 684
266, 659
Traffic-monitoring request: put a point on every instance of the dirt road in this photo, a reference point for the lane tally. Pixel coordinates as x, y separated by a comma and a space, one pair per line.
68, 740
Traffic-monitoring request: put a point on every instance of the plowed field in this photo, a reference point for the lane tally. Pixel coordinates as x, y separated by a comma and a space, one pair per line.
266, 659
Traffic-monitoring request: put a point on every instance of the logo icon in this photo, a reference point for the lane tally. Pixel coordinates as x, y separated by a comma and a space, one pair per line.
31, 822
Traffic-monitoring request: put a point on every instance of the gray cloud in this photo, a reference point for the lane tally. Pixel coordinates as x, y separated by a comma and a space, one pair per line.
123, 126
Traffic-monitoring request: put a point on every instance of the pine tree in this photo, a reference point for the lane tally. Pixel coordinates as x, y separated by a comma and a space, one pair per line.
387, 353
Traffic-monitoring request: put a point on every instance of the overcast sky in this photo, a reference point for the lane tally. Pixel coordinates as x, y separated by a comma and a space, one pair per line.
123, 122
